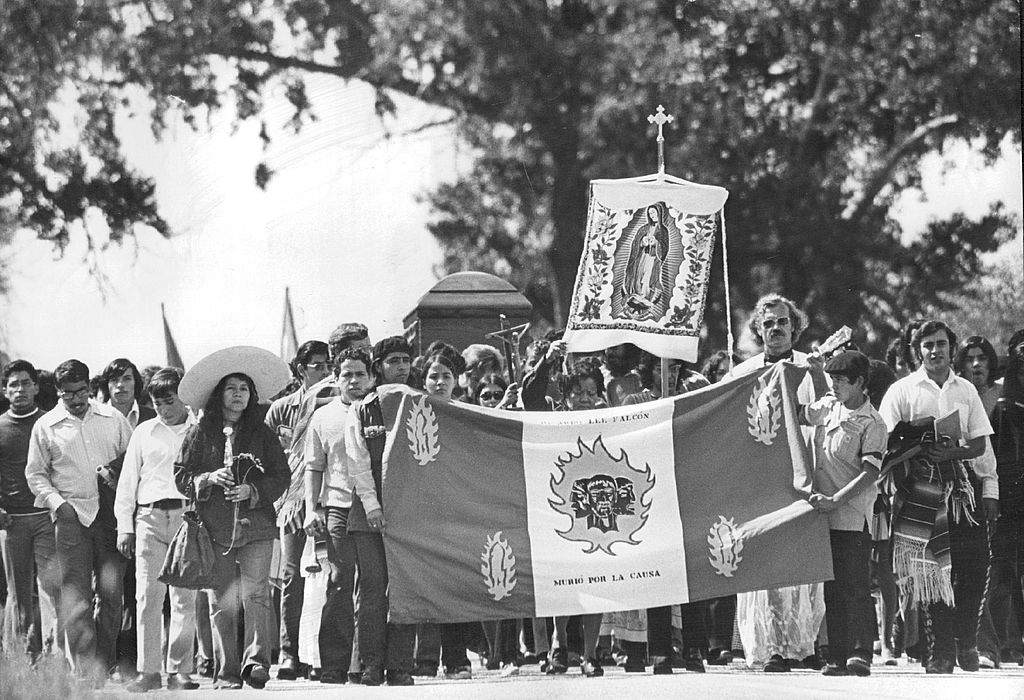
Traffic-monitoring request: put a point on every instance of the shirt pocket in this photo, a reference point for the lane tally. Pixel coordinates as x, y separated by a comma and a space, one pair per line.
848, 439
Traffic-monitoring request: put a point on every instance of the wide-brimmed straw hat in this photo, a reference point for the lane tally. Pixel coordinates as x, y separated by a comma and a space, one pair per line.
268, 371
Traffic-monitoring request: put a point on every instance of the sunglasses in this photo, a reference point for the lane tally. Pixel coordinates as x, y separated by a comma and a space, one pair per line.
771, 323
488, 395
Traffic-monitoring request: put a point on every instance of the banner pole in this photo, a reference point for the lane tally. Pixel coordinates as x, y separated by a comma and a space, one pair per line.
730, 341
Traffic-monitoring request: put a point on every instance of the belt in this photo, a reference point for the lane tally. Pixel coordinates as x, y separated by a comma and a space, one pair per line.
165, 504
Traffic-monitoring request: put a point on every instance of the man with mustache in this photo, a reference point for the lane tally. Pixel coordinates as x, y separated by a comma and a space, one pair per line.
72, 448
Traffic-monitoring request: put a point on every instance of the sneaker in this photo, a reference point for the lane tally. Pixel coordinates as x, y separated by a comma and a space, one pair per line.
834, 670
257, 677
888, 658
144, 682
558, 662
720, 658
985, 661
591, 668
181, 681
459, 673
399, 678
776, 664
228, 684
509, 670
858, 666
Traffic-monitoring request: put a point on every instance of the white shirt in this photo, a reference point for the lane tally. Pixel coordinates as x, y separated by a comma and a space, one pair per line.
325, 452
148, 472
63, 454
916, 396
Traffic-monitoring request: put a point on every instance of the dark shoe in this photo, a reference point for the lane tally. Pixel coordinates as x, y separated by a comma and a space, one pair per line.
813, 662
399, 678
373, 676
857, 666
315, 673
144, 682
228, 684
939, 665
492, 664
834, 670
663, 668
425, 670
720, 658
355, 677
776, 664
968, 659
205, 668
288, 670
592, 668
458, 673
558, 663
256, 677
334, 677
694, 663
635, 665
181, 681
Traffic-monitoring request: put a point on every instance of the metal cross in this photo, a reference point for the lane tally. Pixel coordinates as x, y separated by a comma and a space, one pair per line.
661, 119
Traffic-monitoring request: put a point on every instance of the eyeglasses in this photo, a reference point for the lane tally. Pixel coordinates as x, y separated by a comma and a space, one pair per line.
771, 323
72, 395
316, 366
488, 395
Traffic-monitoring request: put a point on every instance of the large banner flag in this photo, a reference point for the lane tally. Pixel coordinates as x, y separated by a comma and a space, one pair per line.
501, 514
643, 274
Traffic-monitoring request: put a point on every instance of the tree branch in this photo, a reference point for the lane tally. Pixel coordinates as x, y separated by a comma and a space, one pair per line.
881, 176
277, 61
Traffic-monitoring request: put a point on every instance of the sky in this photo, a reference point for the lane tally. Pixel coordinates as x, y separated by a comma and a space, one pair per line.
342, 224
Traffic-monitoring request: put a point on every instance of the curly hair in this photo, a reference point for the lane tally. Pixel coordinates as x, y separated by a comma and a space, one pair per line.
798, 317
977, 341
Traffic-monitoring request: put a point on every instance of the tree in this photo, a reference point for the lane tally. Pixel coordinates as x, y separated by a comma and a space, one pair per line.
813, 114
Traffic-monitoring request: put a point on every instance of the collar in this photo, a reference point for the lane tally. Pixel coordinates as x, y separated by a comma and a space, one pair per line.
780, 358
190, 420
60, 412
921, 376
19, 416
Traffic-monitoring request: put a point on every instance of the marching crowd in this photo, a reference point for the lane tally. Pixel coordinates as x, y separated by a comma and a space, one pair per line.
917, 466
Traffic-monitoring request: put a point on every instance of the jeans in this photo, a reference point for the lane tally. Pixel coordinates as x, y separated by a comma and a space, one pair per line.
948, 628
849, 608
29, 552
154, 530
337, 623
82, 553
251, 590
382, 644
292, 590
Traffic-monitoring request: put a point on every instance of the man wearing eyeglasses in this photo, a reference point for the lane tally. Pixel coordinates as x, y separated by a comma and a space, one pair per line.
71, 449
310, 366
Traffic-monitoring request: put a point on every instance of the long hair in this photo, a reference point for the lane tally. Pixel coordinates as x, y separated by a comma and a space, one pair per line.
491, 378
213, 413
976, 341
118, 367
798, 318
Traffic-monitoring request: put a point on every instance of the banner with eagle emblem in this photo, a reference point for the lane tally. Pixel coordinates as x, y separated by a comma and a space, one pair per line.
500, 514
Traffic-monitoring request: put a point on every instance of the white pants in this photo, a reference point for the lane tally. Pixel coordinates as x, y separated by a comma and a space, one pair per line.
154, 529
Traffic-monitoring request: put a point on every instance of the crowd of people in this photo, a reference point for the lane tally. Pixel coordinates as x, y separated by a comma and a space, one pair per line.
283, 466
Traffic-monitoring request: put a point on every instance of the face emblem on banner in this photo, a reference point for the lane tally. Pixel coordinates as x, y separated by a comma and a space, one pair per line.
603, 495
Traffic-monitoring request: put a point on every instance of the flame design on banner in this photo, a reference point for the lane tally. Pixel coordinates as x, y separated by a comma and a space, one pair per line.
603, 495
725, 542
764, 410
421, 429
498, 567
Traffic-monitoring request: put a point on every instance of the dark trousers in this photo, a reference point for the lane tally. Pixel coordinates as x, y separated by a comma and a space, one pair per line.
443, 643
337, 622
1006, 580
381, 644
241, 589
82, 553
947, 627
849, 609
502, 641
292, 590
29, 548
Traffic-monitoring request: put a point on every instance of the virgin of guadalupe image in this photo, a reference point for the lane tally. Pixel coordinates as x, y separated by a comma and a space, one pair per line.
642, 284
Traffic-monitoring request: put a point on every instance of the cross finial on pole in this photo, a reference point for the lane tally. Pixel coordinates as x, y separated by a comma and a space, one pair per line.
661, 119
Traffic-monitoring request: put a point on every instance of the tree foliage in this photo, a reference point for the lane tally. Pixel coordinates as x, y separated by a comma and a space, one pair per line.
814, 114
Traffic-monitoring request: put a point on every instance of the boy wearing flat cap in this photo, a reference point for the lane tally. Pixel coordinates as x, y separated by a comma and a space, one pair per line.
849, 441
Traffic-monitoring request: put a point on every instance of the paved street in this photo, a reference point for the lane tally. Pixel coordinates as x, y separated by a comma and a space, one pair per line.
906, 682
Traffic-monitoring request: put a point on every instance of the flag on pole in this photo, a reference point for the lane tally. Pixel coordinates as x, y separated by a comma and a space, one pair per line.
500, 514
289, 338
643, 274
173, 356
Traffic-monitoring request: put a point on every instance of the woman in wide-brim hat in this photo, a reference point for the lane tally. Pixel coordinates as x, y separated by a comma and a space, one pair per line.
234, 466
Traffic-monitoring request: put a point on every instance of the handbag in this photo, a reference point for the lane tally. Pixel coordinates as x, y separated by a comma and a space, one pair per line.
190, 557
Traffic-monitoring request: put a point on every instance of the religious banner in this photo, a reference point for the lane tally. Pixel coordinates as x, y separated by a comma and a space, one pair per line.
502, 514
643, 274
